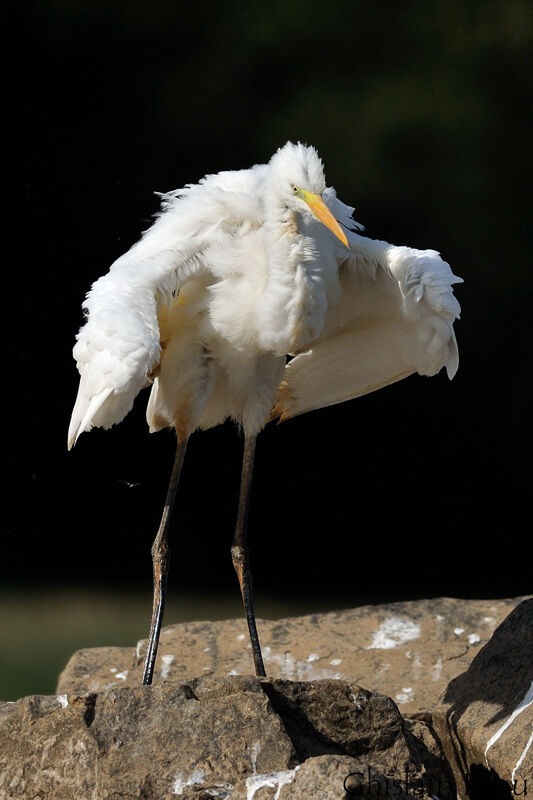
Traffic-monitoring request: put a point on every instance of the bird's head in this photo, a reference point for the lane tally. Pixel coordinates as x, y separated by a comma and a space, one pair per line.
296, 178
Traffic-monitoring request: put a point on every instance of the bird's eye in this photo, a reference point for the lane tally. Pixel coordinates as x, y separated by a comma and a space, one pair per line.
294, 189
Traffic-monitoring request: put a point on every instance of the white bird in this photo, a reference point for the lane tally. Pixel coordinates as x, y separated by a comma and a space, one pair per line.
238, 272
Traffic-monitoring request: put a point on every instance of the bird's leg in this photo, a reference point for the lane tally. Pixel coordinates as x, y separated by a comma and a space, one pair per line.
160, 561
239, 551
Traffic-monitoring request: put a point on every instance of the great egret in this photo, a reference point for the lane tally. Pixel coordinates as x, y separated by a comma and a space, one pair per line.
236, 273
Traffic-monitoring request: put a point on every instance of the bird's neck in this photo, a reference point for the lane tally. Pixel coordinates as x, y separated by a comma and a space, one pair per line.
280, 220
291, 309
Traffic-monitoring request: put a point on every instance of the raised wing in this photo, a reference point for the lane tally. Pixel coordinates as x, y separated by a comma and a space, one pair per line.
395, 317
119, 346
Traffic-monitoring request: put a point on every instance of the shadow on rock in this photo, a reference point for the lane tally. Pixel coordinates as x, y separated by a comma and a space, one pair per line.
485, 720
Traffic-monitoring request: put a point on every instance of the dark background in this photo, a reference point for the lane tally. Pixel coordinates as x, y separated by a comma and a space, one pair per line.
419, 111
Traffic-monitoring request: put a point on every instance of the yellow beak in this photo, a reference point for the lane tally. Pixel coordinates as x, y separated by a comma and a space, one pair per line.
323, 214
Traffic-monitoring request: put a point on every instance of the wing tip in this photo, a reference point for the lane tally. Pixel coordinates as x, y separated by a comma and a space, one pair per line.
84, 413
74, 433
74, 428
452, 365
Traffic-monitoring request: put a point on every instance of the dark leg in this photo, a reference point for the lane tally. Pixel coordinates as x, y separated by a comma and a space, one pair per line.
239, 552
160, 560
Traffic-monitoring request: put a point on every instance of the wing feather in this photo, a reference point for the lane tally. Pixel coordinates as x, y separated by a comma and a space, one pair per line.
395, 317
119, 346
350, 364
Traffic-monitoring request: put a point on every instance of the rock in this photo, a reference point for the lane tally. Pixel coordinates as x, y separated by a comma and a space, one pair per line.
486, 720
409, 651
238, 738
335, 777
308, 732
320, 776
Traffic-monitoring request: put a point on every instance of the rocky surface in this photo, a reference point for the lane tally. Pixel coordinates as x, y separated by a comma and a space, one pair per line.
409, 651
486, 720
238, 738
459, 671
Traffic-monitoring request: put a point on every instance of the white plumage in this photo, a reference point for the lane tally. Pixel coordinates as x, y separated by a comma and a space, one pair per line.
236, 273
